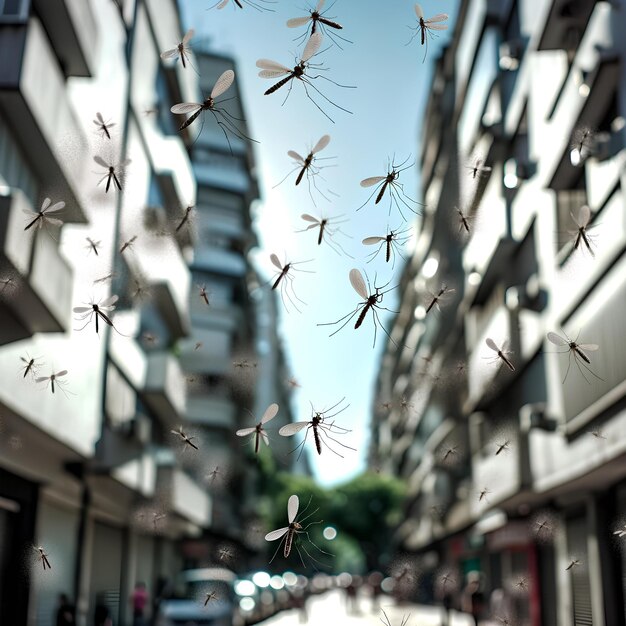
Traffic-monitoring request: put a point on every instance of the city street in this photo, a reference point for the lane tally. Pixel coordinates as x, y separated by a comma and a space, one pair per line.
330, 608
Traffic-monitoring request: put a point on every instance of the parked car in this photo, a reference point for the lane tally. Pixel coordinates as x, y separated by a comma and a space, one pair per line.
202, 596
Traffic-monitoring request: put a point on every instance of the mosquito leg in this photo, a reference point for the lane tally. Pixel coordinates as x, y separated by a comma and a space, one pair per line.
346, 322
328, 445
371, 195
279, 547
299, 554
343, 445
384, 329
286, 177
308, 95
304, 532
288, 92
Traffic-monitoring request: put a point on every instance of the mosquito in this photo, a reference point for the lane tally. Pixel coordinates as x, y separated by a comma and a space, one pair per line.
437, 299
243, 364
522, 584
327, 226
447, 579
105, 278
396, 189
255, 5
484, 492
621, 532
478, 169
386, 622
186, 439
100, 310
321, 427
317, 19
186, 217
581, 144
127, 245
577, 351
392, 243
181, 50
213, 474
597, 434
584, 215
574, 563
31, 366
542, 526
293, 383
52, 379
501, 353
42, 217
103, 127
7, 283
371, 301
224, 119
272, 69
210, 595
285, 279
112, 172
464, 221
258, 430
425, 27
450, 452
202, 292
92, 245
43, 557
503, 447
295, 527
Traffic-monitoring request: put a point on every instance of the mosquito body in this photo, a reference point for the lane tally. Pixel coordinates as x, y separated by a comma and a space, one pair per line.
576, 350
202, 292
316, 19
296, 527
127, 245
210, 595
52, 379
478, 169
482, 495
99, 310
181, 50
42, 217
391, 243
112, 172
447, 579
450, 452
328, 227
464, 221
43, 557
285, 279
581, 145
103, 127
396, 190
581, 234
573, 563
522, 585
597, 434
501, 353
30, 366
437, 299
503, 447
214, 473
92, 246
188, 441
186, 217
259, 430
543, 526
371, 301
425, 27
322, 429
272, 69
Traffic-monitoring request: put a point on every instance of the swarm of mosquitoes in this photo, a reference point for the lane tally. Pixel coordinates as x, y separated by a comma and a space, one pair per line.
389, 244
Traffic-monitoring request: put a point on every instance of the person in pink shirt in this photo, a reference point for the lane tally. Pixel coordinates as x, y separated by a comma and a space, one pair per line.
139, 599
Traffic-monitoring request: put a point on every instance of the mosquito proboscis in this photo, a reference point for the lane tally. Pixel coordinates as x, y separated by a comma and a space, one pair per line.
371, 300
259, 430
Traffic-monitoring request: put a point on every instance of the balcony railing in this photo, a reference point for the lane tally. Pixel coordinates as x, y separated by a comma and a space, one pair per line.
165, 387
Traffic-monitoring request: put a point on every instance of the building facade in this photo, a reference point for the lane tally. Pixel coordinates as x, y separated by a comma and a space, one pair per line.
517, 474
93, 473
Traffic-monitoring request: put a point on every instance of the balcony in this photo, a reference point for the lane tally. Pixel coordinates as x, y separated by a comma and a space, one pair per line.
182, 496
165, 388
210, 411
219, 261
72, 29
30, 69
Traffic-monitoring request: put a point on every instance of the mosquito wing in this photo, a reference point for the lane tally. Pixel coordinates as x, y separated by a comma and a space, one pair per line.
292, 508
320, 6
109, 301
57, 206
270, 413
356, 280
492, 344
312, 46
223, 83
295, 156
243, 432
440, 17
292, 429
272, 66
588, 347
222, 4
41, 379
584, 215
99, 119
188, 35
557, 340
101, 162
321, 144
168, 54
265, 438
441, 27
309, 218
276, 262
373, 180
276, 534
186, 107
419, 12
369, 241
298, 21
505, 345
82, 309
61, 373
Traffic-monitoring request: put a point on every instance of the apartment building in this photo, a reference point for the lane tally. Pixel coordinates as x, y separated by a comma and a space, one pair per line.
519, 475
92, 473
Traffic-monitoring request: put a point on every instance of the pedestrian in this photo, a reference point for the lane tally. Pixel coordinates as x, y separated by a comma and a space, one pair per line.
66, 613
473, 599
101, 614
139, 600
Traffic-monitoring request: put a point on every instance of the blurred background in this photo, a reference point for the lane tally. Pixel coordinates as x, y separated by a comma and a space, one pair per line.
452, 487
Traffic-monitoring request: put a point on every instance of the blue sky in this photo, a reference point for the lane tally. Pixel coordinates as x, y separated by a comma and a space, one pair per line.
387, 105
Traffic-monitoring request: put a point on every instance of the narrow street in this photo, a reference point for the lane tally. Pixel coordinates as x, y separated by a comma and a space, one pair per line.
330, 608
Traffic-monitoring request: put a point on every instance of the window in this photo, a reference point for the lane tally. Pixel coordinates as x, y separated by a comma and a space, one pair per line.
13, 10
